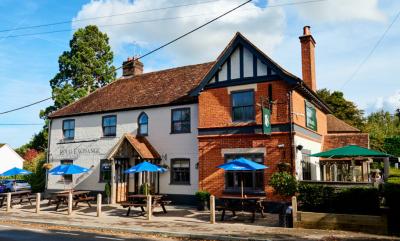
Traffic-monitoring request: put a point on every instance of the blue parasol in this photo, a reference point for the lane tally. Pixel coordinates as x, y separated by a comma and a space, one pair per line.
68, 169
15, 171
145, 167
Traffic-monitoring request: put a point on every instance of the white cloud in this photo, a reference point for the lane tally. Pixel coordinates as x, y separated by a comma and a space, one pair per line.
341, 10
264, 27
389, 103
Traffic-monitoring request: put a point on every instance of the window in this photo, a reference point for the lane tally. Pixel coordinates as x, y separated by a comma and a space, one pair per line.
253, 181
243, 105
67, 178
110, 125
311, 116
306, 164
105, 171
69, 129
180, 122
143, 122
180, 171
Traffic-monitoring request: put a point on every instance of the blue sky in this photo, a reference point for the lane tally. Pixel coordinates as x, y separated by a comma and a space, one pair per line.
345, 31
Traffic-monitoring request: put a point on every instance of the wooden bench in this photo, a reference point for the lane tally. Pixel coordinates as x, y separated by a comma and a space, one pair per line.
129, 205
85, 199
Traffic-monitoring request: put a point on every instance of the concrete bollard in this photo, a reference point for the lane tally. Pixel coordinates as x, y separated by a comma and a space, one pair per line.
212, 209
69, 203
38, 202
99, 205
294, 209
149, 211
8, 208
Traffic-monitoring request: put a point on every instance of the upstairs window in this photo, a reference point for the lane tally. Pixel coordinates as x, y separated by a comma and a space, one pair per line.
311, 116
143, 122
110, 125
243, 105
180, 120
69, 129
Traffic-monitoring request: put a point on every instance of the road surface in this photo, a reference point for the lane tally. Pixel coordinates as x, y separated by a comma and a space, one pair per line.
16, 232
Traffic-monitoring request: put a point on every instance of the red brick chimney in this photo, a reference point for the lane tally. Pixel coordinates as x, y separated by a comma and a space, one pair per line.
308, 58
132, 67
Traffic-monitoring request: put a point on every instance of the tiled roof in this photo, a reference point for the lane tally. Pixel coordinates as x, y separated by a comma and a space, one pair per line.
140, 144
165, 87
1, 145
336, 125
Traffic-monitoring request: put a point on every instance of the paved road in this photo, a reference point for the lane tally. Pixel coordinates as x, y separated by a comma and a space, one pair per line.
12, 232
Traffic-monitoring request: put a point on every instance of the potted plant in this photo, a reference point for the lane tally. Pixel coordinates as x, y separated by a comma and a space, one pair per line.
203, 198
107, 191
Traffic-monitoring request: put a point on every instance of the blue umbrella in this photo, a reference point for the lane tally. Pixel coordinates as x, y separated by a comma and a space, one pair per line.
68, 170
242, 164
145, 167
15, 171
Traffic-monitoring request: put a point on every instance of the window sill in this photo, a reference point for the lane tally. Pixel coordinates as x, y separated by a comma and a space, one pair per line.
108, 137
173, 133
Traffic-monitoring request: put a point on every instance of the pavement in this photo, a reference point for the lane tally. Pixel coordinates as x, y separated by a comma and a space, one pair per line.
180, 222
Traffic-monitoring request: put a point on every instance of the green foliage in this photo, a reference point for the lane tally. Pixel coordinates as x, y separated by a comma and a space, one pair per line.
376, 165
391, 192
84, 68
392, 145
284, 183
107, 189
145, 189
37, 179
202, 195
380, 126
342, 108
322, 198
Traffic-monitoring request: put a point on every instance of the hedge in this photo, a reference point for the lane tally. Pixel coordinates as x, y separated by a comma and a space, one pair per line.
322, 198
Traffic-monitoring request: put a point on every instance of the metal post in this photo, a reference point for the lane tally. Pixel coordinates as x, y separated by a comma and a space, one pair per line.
386, 166
8, 202
69, 203
99, 205
113, 184
294, 209
38, 202
212, 209
149, 211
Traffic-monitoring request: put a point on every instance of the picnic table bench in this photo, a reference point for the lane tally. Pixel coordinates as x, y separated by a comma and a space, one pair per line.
139, 200
17, 197
250, 204
77, 197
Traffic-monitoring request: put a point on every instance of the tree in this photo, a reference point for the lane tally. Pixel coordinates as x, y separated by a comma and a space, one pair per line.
381, 125
84, 68
343, 109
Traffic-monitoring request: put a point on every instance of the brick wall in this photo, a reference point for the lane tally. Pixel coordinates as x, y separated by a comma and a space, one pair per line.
215, 105
339, 140
211, 178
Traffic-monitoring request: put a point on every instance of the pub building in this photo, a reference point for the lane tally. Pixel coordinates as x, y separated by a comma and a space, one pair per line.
191, 119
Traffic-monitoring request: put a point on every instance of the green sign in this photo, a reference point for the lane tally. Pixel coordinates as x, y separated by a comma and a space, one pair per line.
266, 121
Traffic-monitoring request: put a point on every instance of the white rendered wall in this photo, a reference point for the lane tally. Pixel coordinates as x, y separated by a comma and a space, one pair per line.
9, 159
314, 147
88, 128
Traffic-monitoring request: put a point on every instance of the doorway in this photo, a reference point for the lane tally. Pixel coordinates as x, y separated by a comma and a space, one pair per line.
122, 182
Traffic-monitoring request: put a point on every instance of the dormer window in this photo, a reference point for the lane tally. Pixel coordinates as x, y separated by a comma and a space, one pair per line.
143, 123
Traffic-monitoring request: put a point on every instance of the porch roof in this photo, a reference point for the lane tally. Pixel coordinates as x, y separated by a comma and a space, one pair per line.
140, 144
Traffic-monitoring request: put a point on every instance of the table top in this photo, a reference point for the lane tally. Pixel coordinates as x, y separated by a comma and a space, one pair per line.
74, 193
232, 197
16, 193
143, 196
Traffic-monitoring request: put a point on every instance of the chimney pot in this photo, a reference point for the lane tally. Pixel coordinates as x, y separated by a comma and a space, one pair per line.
306, 30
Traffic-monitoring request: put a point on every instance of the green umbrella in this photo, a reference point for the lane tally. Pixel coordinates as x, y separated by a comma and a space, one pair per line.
350, 151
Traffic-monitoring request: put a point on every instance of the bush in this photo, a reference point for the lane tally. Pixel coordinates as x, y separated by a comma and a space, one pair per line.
202, 195
322, 198
37, 179
391, 192
284, 183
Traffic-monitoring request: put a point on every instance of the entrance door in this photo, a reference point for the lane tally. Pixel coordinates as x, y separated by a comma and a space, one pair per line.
121, 179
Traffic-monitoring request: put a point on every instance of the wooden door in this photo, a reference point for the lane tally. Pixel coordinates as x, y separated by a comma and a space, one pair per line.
121, 179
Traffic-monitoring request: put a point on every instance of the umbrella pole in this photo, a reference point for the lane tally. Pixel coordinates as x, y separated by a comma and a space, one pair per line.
241, 183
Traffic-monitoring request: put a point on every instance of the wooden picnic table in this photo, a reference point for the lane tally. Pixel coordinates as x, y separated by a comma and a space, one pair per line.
77, 197
140, 200
233, 203
18, 196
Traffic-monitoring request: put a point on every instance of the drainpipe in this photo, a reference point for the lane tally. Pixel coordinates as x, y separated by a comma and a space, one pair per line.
292, 147
48, 152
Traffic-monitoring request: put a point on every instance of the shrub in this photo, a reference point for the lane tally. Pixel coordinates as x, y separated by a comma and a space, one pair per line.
322, 198
202, 195
284, 183
391, 192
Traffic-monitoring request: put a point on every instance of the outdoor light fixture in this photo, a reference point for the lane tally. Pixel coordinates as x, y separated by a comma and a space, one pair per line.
299, 147
196, 165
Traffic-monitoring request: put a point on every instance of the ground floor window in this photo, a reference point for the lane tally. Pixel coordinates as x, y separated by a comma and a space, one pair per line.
306, 164
67, 178
253, 181
105, 170
180, 171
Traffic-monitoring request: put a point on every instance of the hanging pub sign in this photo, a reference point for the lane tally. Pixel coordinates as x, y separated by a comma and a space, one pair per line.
266, 113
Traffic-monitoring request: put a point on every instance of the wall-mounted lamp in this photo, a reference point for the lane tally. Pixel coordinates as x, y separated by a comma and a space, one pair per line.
299, 147
196, 165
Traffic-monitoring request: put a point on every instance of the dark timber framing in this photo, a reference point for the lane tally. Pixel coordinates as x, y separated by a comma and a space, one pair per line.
241, 61
228, 69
